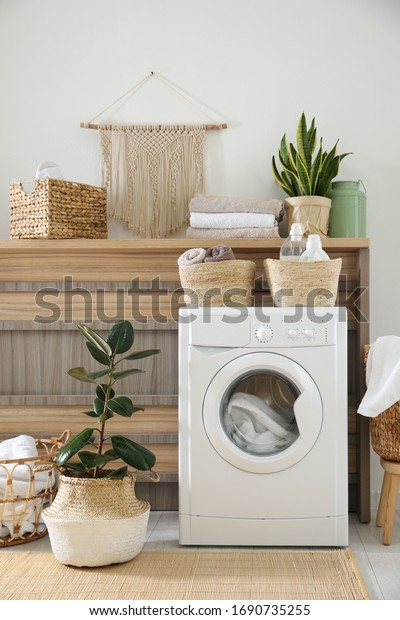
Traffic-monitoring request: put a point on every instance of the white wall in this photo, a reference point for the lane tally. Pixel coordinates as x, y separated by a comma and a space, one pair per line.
257, 64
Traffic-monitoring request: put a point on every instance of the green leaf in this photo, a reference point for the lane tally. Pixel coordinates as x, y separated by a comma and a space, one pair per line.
122, 405
90, 460
101, 392
304, 178
279, 179
117, 474
83, 438
91, 414
284, 156
303, 143
98, 355
75, 466
95, 339
98, 374
126, 373
292, 181
81, 374
315, 172
132, 453
120, 337
98, 406
141, 354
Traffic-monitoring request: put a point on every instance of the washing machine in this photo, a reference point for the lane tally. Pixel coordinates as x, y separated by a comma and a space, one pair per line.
263, 426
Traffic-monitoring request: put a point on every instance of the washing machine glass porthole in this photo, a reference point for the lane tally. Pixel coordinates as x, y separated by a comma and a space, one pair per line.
257, 413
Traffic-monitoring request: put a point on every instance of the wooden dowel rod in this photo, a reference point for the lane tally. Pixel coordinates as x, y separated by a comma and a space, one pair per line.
95, 126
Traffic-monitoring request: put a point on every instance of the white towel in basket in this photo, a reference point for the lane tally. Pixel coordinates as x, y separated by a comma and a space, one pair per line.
382, 376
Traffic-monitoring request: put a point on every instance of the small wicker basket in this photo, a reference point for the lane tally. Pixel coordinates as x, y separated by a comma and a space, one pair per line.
223, 283
58, 209
15, 508
294, 283
385, 428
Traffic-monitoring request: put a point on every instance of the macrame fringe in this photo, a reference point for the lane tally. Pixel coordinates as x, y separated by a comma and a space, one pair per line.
151, 173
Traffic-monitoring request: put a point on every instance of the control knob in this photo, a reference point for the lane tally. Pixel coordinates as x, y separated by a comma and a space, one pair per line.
264, 333
292, 333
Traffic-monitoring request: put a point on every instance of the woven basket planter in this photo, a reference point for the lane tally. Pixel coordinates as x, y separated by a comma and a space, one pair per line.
96, 521
385, 429
58, 209
312, 212
295, 283
20, 511
224, 283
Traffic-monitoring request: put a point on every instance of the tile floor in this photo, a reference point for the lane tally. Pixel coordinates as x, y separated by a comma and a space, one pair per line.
379, 565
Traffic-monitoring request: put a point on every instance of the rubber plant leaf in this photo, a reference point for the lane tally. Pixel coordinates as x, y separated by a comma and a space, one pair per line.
122, 405
132, 453
98, 355
81, 374
120, 337
117, 474
90, 460
126, 373
141, 354
101, 391
95, 339
78, 442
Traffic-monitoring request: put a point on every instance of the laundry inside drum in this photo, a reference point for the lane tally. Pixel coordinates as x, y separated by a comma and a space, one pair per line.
257, 413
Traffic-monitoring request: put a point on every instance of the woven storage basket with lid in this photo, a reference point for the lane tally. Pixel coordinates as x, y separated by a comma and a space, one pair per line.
224, 283
385, 428
58, 209
97, 521
299, 283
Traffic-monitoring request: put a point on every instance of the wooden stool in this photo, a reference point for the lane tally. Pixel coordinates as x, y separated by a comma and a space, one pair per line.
388, 499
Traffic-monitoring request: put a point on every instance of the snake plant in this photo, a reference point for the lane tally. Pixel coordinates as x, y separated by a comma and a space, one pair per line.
304, 174
106, 404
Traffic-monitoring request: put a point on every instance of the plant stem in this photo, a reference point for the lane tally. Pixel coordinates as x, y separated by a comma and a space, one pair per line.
105, 409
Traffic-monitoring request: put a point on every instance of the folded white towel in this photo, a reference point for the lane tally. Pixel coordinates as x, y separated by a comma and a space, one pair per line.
231, 220
222, 204
191, 257
233, 233
382, 376
20, 447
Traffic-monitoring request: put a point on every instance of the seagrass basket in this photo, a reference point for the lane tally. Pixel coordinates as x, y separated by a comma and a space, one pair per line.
385, 428
224, 283
58, 209
294, 283
20, 511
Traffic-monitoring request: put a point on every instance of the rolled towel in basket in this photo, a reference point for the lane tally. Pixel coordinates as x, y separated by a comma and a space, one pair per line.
233, 233
191, 257
225, 204
231, 220
218, 253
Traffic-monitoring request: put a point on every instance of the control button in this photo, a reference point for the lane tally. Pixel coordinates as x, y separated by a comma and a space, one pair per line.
308, 333
264, 333
292, 333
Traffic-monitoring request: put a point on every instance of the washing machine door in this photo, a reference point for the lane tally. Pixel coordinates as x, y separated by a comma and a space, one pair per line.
262, 412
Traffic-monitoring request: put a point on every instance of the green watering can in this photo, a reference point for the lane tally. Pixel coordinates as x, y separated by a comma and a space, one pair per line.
348, 211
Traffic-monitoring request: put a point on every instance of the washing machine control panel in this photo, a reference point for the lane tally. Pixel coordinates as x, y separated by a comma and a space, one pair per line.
303, 332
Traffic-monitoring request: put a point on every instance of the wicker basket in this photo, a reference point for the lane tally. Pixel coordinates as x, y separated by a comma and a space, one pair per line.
41, 489
58, 209
385, 429
224, 283
295, 283
103, 510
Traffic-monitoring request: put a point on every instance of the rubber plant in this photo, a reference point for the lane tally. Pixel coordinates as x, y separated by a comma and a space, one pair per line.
109, 353
304, 174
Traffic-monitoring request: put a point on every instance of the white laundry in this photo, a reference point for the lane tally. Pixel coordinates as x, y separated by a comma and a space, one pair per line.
382, 376
254, 425
48, 170
23, 511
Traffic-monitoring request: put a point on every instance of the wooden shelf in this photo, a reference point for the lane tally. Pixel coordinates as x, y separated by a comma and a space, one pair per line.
115, 277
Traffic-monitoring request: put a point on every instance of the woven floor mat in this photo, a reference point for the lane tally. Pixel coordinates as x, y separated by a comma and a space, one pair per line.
187, 575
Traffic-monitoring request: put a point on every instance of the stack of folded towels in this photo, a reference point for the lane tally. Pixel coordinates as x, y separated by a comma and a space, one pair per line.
224, 217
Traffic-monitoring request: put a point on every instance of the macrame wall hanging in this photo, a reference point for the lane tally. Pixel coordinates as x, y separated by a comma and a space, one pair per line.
152, 171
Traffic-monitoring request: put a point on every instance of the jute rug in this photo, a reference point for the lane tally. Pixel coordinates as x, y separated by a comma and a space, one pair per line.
186, 575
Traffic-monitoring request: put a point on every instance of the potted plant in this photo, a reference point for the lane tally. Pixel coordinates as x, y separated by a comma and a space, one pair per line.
96, 518
307, 177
